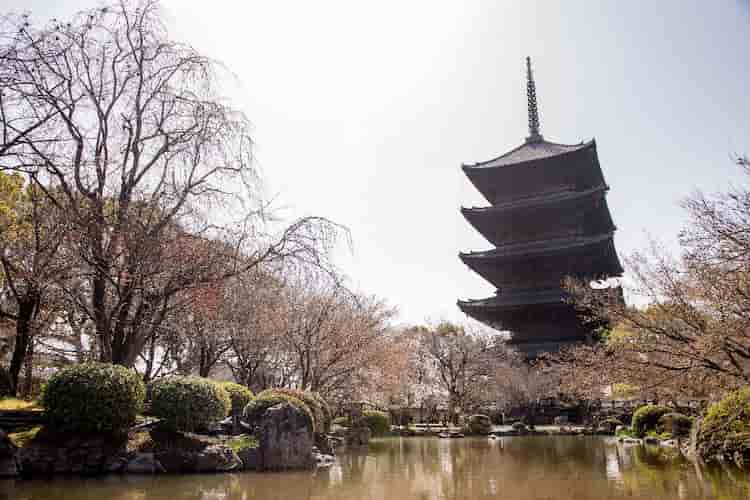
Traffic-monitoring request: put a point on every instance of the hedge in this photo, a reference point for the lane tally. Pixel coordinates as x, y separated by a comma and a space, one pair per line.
239, 395
93, 397
188, 403
676, 424
646, 418
378, 422
725, 428
479, 424
266, 399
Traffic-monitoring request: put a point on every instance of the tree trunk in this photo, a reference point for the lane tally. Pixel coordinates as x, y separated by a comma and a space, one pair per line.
26, 313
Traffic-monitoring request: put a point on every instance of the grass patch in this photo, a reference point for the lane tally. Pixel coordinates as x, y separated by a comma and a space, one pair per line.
22, 438
240, 443
18, 404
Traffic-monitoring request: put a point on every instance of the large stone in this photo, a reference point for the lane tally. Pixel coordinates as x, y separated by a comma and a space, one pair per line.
8, 452
70, 454
143, 463
213, 458
251, 459
285, 438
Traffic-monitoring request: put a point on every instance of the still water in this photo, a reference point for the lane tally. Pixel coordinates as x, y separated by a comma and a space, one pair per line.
523, 468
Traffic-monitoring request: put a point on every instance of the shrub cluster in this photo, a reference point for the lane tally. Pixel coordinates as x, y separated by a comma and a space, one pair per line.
239, 395
676, 424
479, 424
270, 397
315, 403
725, 429
93, 397
378, 422
188, 403
646, 418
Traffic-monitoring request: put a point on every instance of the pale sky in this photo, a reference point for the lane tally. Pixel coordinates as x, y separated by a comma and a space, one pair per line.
364, 112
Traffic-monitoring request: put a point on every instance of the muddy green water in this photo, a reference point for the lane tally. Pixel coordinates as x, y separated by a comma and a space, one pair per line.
523, 468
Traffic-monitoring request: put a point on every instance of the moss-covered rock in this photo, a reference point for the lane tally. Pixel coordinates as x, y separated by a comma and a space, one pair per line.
93, 397
267, 399
314, 401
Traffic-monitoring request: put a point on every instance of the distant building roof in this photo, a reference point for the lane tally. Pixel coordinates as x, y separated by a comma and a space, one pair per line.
531, 150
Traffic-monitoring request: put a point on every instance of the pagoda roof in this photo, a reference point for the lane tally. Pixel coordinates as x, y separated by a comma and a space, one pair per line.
531, 248
517, 298
539, 200
532, 150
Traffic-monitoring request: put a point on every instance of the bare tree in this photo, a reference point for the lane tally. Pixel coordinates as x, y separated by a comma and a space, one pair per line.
129, 136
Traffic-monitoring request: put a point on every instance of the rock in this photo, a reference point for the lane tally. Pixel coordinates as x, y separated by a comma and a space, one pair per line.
650, 440
70, 454
213, 458
324, 444
251, 459
629, 440
285, 438
324, 460
358, 436
620, 428
670, 443
8, 450
143, 463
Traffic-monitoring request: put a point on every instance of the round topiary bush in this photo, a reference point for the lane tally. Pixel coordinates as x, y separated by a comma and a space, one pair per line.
725, 429
646, 418
93, 397
315, 402
676, 424
239, 395
479, 424
188, 403
378, 422
266, 399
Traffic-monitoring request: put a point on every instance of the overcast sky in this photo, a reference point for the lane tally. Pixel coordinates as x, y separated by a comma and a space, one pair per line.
364, 112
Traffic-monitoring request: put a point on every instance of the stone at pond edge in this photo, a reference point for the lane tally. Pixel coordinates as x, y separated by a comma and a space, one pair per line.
285, 438
358, 436
143, 463
72, 454
8, 451
214, 458
251, 459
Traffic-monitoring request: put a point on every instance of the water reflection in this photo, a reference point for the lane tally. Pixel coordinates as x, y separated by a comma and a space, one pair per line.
523, 468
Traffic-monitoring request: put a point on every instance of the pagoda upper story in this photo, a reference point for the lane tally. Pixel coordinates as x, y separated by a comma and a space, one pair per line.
547, 219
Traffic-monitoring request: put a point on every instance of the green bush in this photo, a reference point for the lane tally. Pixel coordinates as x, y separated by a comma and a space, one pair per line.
378, 422
239, 395
315, 402
266, 399
479, 424
342, 421
93, 397
676, 424
725, 428
188, 403
646, 418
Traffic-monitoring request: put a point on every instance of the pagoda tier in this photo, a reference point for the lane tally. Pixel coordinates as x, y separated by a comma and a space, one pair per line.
563, 214
537, 169
548, 219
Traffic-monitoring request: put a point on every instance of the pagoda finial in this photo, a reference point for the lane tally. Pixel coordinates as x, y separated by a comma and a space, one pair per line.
534, 135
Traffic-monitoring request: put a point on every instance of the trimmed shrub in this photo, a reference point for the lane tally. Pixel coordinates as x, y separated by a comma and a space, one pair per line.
676, 424
266, 399
725, 428
646, 418
188, 403
342, 421
378, 422
314, 402
479, 424
239, 395
93, 397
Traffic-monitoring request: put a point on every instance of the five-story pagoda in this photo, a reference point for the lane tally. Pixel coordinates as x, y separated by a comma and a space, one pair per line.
548, 219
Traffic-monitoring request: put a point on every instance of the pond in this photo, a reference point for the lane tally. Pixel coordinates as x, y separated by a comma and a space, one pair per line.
523, 468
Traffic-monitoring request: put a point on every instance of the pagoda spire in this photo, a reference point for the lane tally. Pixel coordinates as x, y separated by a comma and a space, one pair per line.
534, 135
